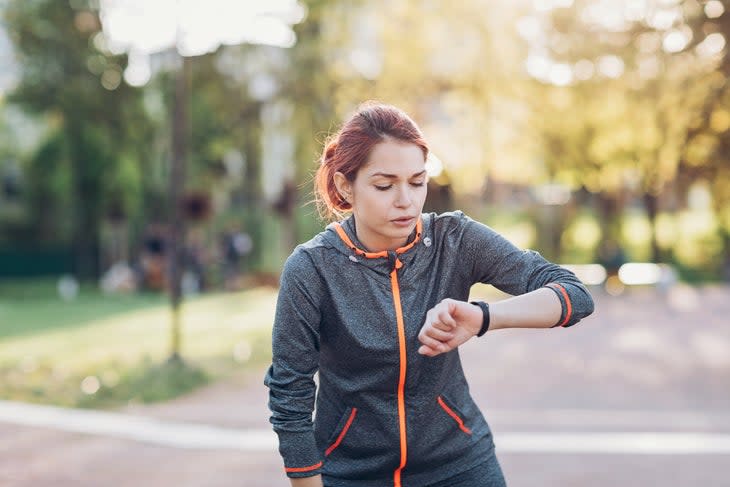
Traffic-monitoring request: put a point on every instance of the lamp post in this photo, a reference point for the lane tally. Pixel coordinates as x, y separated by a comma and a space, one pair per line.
180, 132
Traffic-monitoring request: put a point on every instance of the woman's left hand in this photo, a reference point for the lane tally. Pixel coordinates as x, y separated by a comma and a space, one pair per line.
449, 324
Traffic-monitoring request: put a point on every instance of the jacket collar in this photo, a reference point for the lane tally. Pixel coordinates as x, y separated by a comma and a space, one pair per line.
349, 223
341, 235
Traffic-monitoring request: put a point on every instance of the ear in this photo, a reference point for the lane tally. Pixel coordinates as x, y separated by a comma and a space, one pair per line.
344, 187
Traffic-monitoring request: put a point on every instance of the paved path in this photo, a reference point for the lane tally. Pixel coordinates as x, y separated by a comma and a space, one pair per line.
637, 395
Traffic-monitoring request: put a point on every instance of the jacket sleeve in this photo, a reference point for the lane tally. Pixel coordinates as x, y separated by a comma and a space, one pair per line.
295, 350
496, 261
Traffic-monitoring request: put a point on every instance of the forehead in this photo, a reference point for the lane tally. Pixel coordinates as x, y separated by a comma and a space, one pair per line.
395, 157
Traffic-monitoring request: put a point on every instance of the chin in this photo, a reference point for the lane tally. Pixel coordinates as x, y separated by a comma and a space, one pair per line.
404, 232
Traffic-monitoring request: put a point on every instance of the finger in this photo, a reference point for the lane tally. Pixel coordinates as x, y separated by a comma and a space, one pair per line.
433, 344
432, 320
442, 320
428, 351
439, 325
444, 316
440, 335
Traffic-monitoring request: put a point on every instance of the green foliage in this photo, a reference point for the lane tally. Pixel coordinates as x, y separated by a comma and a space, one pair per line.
638, 138
47, 192
86, 165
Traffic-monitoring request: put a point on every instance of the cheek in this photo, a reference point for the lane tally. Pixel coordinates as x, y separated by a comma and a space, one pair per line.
421, 195
370, 200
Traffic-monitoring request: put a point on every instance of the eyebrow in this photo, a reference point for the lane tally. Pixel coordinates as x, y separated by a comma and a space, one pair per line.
394, 176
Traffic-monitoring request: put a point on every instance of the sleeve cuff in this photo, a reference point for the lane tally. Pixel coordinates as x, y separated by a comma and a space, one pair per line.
300, 454
566, 313
310, 471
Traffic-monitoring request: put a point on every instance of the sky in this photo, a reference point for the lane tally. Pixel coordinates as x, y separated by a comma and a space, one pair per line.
142, 28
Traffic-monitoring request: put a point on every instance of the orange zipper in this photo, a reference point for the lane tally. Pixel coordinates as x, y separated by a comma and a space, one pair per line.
402, 377
401, 333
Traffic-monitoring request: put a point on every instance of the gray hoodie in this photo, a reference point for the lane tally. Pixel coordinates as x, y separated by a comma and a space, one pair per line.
386, 415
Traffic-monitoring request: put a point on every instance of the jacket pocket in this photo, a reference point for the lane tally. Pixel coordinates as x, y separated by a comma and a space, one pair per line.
367, 449
341, 431
454, 415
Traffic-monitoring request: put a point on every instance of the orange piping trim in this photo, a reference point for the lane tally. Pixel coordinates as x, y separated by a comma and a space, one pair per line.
382, 254
303, 469
402, 377
569, 306
456, 417
342, 434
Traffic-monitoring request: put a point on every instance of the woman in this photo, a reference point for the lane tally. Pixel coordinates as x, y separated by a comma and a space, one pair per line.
378, 305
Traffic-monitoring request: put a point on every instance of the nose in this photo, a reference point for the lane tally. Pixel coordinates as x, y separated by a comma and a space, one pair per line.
403, 197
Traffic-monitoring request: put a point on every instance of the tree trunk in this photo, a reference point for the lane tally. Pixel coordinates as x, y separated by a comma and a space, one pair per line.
610, 250
725, 272
652, 209
180, 137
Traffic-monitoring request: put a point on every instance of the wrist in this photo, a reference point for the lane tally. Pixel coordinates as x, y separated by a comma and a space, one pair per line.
484, 322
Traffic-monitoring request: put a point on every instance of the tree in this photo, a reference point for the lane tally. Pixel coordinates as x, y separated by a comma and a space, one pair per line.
67, 75
645, 68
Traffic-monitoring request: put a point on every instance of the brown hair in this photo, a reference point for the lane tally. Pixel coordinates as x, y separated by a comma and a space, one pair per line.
349, 149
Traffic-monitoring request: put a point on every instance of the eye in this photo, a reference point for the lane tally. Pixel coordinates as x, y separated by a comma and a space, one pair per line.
418, 183
383, 188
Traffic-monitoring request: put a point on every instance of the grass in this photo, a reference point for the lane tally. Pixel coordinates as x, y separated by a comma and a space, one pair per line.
104, 351
31, 307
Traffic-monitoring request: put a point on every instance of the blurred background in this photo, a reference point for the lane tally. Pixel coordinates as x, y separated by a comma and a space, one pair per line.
156, 163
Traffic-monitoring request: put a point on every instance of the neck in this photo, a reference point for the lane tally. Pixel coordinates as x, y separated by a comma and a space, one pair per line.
369, 245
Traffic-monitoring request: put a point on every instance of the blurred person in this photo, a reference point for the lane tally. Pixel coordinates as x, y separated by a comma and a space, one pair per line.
195, 258
152, 267
236, 246
377, 304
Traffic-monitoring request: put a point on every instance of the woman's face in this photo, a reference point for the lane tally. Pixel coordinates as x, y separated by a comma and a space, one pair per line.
387, 195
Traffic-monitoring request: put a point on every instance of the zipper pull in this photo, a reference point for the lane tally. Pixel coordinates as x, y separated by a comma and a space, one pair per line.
393, 260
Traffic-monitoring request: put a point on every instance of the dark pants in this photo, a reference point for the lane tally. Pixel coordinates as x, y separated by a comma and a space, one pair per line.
486, 474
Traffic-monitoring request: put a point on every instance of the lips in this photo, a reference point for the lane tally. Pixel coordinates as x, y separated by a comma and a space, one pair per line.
404, 222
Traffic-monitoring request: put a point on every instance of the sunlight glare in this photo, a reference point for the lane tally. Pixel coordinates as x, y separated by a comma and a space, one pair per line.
713, 44
611, 66
589, 274
561, 74
605, 14
538, 66
367, 62
635, 10
194, 27
714, 9
552, 194
548, 5
138, 70
675, 41
584, 69
664, 19
90, 385
529, 28
242, 351
434, 166
642, 273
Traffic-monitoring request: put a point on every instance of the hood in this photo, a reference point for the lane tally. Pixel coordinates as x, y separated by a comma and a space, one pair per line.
345, 241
